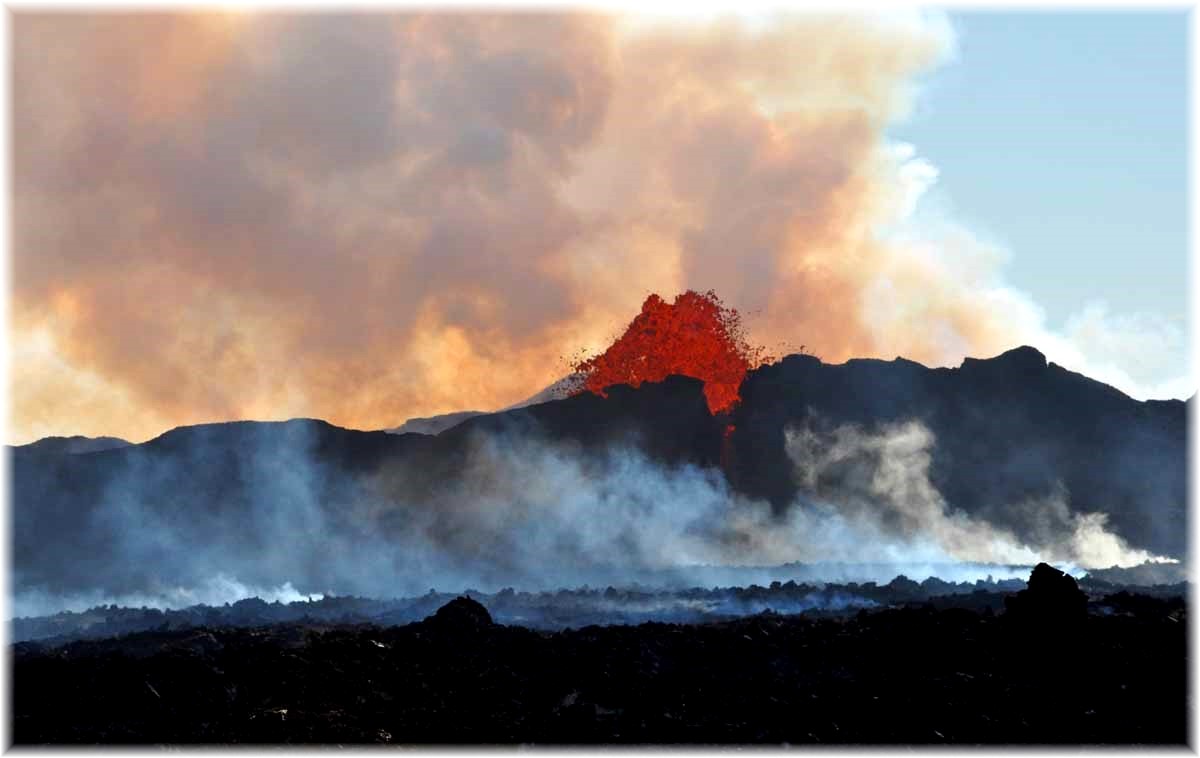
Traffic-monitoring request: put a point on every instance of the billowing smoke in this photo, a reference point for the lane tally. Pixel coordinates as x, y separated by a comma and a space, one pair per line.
878, 484
371, 217
519, 511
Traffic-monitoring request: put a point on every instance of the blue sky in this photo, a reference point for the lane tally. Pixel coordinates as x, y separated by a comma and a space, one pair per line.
1063, 136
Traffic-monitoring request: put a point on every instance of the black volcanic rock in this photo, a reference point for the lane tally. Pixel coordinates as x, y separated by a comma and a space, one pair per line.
910, 675
462, 614
1052, 599
903, 587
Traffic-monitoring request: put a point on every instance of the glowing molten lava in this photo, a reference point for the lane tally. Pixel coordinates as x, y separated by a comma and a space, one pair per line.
694, 336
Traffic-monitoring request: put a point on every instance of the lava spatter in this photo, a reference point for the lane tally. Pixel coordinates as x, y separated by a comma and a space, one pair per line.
694, 336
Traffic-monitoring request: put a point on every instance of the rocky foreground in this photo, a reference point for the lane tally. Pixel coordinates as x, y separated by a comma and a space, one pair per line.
1043, 671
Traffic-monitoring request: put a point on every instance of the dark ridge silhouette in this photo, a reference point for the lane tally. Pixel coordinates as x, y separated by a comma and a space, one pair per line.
433, 424
1007, 429
72, 445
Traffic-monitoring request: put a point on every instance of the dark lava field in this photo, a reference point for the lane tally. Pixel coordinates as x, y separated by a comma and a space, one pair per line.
1049, 664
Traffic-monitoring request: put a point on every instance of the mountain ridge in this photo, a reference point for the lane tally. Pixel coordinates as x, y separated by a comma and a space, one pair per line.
1024, 355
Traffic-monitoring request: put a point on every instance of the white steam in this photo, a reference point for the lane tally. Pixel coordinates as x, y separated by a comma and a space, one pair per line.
526, 513
218, 590
875, 488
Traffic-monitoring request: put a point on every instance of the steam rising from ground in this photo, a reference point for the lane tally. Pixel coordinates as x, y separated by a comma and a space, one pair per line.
366, 218
526, 513
879, 486
218, 590
865, 496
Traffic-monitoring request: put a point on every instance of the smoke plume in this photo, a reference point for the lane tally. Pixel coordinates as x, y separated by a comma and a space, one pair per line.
520, 511
878, 483
370, 217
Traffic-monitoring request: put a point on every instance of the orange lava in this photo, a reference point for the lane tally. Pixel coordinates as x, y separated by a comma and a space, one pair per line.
695, 336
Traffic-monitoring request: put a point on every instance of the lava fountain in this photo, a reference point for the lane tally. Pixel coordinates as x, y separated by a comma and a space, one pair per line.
694, 336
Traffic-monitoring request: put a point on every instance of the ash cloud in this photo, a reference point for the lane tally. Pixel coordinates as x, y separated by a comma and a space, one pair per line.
371, 217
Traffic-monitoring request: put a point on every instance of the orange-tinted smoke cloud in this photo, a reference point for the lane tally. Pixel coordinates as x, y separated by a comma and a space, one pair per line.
369, 217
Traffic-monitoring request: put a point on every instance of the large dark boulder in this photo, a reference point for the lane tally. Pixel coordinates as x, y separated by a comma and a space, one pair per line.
903, 588
462, 614
1052, 598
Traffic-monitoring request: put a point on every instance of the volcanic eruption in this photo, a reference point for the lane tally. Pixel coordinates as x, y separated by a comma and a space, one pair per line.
695, 336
